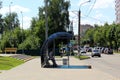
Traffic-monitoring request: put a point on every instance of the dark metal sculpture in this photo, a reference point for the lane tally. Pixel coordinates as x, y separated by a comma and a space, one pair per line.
48, 55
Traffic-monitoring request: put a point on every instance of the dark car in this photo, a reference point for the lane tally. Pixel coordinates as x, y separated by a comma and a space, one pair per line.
110, 51
96, 52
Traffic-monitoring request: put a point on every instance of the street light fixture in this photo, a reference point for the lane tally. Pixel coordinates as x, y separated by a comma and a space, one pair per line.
10, 7
10, 14
79, 24
10, 24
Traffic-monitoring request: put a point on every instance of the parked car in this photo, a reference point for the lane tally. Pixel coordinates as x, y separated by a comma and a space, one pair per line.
119, 49
96, 52
102, 50
82, 51
86, 48
110, 51
106, 50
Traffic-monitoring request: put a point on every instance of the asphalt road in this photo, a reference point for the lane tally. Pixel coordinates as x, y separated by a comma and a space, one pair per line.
109, 64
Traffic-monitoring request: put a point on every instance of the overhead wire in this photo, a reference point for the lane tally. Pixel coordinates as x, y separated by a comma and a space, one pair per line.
90, 12
85, 16
91, 8
102, 21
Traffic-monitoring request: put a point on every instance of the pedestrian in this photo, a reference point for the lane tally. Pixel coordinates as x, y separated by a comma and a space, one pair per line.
51, 57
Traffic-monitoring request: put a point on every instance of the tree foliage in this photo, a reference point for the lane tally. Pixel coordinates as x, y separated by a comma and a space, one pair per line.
10, 31
33, 38
58, 19
11, 21
106, 35
58, 15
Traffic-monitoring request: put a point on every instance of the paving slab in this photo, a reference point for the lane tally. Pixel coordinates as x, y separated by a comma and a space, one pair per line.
32, 70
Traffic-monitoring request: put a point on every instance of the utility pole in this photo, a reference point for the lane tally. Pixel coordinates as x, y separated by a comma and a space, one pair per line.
79, 24
46, 19
22, 31
10, 24
10, 15
46, 25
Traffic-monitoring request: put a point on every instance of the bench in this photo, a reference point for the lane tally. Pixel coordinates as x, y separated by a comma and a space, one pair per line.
10, 50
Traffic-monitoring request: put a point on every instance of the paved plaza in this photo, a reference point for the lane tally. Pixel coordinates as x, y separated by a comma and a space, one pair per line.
32, 70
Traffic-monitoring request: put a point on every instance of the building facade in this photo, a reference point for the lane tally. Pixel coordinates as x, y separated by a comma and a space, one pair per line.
117, 9
84, 28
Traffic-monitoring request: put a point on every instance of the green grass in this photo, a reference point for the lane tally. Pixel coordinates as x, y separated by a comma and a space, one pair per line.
82, 57
7, 63
116, 52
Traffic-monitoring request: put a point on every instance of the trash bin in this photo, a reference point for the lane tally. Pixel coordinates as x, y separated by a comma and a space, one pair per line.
65, 61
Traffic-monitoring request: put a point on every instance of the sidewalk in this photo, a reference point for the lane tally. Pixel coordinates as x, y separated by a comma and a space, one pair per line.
32, 70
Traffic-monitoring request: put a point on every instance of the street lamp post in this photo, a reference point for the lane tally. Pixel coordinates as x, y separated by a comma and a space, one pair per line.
22, 19
22, 30
46, 19
79, 24
10, 24
46, 25
10, 15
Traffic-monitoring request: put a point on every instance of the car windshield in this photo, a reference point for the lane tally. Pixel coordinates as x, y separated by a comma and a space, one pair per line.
95, 50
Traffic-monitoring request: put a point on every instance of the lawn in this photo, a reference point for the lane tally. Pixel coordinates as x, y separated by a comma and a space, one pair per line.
7, 63
82, 57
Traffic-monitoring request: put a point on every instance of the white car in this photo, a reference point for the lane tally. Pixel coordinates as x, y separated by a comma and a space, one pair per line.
82, 51
96, 52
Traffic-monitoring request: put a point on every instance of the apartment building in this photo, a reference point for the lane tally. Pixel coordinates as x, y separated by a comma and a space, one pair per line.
117, 9
84, 28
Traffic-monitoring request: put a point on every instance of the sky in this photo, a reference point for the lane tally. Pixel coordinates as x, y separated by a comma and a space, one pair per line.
93, 12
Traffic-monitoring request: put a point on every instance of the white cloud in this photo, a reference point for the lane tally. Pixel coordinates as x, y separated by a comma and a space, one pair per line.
99, 19
104, 4
4, 10
73, 14
99, 16
18, 8
26, 22
15, 8
99, 3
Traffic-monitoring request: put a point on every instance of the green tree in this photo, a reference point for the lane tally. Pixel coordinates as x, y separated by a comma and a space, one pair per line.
89, 36
103, 33
106, 35
31, 42
4, 41
38, 28
58, 15
58, 19
11, 39
11, 21
116, 35
1, 24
